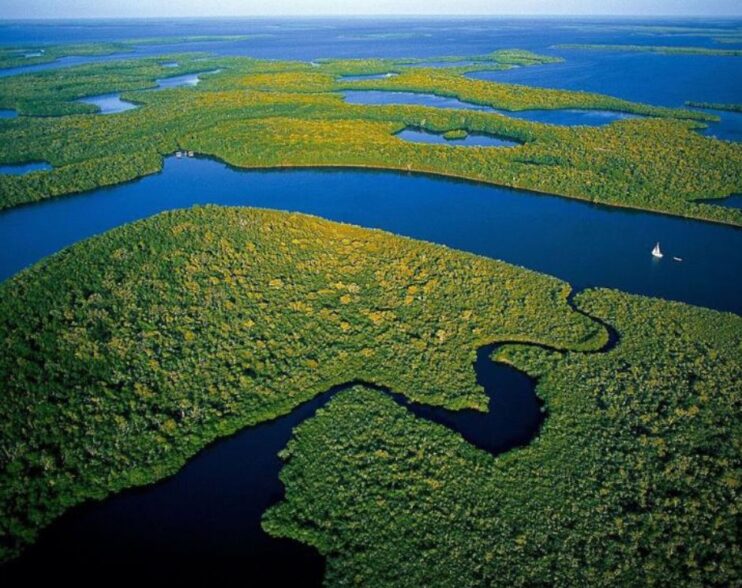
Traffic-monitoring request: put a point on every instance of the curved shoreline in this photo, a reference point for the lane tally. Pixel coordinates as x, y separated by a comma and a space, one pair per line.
392, 169
477, 428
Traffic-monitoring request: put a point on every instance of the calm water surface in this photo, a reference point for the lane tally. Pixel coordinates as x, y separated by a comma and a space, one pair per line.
555, 117
585, 244
109, 103
24, 168
471, 140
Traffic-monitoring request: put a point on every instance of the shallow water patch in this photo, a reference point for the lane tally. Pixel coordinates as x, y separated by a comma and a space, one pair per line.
412, 98
471, 140
184, 81
362, 77
20, 169
109, 103
570, 116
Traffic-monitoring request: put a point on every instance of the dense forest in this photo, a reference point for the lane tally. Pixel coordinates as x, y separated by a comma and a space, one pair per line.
633, 481
715, 106
263, 113
126, 354
36, 54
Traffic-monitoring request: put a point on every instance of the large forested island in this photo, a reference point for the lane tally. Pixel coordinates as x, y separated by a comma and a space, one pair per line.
125, 355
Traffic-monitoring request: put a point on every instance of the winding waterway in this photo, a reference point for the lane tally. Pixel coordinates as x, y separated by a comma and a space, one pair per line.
563, 116
584, 244
207, 516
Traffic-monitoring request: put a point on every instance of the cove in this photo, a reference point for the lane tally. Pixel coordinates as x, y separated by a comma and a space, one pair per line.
109, 103
566, 116
733, 201
412, 98
582, 243
661, 80
207, 516
185, 80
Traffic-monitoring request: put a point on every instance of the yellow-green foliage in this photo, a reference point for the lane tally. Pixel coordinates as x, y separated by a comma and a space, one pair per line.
126, 354
633, 481
16, 56
446, 82
265, 113
627, 164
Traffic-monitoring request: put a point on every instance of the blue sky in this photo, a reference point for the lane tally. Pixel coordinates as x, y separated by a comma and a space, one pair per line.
154, 8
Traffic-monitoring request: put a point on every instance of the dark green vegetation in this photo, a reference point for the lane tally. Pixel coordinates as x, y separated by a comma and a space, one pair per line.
719, 34
126, 354
257, 113
715, 106
665, 50
17, 56
633, 481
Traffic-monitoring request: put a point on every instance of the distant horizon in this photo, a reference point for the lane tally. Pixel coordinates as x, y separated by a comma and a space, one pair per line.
144, 9
379, 16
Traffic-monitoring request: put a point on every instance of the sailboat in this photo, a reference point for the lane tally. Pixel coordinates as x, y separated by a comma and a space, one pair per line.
657, 252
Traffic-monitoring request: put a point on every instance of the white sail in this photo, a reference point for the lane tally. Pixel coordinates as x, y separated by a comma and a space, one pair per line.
657, 252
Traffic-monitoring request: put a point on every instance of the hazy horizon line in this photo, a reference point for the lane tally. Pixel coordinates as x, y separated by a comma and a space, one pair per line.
392, 15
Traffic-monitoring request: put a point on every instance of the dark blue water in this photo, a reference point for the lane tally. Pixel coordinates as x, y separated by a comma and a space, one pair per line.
554, 117
109, 103
585, 244
734, 201
471, 140
24, 168
204, 522
6, 113
661, 80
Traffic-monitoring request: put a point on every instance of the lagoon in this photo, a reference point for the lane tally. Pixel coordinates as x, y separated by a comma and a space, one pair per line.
109, 103
471, 139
